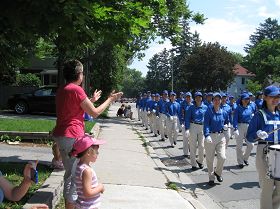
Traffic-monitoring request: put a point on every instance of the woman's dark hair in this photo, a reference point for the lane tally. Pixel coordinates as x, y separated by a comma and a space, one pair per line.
72, 69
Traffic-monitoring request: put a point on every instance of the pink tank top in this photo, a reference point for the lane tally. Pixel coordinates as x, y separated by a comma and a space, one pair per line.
82, 201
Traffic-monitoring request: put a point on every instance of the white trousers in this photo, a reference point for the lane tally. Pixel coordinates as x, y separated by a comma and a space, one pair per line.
218, 145
240, 155
145, 119
196, 140
185, 141
172, 129
139, 113
162, 129
179, 124
155, 123
270, 188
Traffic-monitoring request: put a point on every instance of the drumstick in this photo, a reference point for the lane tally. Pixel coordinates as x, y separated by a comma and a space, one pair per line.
259, 139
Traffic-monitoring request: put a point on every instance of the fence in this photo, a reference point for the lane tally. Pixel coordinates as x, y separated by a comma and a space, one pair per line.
7, 91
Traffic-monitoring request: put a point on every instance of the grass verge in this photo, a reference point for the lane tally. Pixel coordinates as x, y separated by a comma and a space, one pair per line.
14, 173
142, 138
33, 125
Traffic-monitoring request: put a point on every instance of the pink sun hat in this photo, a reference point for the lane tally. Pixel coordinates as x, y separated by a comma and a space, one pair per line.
83, 143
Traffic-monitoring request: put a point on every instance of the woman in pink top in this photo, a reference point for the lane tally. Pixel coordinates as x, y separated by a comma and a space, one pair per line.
71, 104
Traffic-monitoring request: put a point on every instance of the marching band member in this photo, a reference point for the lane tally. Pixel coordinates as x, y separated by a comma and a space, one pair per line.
180, 100
155, 115
146, 101
150, 104
184, 108
241, 119
252, 103
215, 121
264, 121
209, 98
259, 99
227, 108
172, 112
194, 129
162, 110
142, 108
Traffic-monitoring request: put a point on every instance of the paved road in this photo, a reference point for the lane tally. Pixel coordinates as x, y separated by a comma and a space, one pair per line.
240, 188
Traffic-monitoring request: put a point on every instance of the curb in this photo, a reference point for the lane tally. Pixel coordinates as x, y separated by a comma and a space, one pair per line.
168, 174
50, 191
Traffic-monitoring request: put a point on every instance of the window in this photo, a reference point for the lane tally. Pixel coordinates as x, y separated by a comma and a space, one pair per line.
43, 92
243, 80
53, 79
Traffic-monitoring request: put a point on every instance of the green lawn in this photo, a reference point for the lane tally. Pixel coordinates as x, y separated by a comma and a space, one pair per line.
33, 125
14, 173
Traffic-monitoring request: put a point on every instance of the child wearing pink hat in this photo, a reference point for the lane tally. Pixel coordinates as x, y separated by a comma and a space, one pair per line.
88, 189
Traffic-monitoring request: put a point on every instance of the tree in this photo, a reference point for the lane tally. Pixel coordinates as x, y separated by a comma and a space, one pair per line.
270, 30
238, 57
76, 28
159, 74
264, 61
253, 86
133, 83
209, 68
184, 48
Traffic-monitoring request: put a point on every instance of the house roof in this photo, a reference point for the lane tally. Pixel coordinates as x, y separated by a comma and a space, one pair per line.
239, 70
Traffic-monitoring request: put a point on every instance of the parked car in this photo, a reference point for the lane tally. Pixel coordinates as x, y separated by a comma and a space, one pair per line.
40, 100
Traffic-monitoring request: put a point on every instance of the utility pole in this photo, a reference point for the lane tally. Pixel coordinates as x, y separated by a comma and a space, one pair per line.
171, 64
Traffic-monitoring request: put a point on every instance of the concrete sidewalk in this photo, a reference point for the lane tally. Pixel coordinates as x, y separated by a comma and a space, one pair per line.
132, 175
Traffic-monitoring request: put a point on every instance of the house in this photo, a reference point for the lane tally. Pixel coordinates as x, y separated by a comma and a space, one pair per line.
240, 81
45, 69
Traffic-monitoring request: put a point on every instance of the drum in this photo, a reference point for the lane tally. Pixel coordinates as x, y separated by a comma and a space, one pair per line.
274, 161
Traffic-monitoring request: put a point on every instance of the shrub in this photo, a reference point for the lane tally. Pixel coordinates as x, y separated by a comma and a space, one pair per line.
28, 79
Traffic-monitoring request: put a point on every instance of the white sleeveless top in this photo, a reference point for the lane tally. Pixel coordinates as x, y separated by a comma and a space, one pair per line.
83, 202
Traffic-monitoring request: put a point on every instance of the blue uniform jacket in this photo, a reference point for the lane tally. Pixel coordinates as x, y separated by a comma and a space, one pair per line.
172, 109
257, 123
259, 103
207, 103
142, 102
195, 114
242, 115
228, 109
162, 105
156, 107
150, 104
214, 121
146, 103
253, 105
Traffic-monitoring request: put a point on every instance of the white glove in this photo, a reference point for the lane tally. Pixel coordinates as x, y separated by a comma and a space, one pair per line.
225, 127
208, 139
187, 133
262, 134
236, 132
149, 112
154, 111
171, 118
